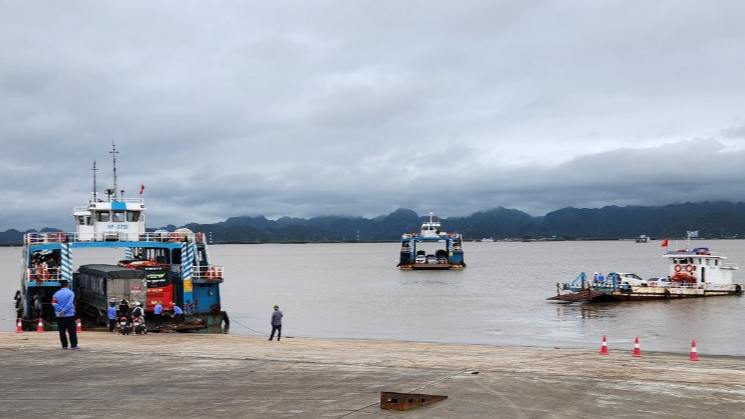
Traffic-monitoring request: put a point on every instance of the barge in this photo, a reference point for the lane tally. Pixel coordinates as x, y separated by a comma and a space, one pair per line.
446, 249
181, 271
692, 274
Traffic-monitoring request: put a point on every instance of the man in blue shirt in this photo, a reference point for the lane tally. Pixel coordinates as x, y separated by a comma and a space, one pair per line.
158, 314
178, 314
112, 316
276, 323
64, 308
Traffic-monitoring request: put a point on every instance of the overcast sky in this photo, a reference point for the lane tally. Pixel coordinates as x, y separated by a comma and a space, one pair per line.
306, 108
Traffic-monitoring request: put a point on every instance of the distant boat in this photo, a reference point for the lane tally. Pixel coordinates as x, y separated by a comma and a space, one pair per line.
692, 273
643, 239
449, 257
489, 240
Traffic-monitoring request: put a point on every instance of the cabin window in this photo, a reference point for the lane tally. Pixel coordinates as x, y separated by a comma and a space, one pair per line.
118, 216
103, 217
81, 220
89, 220
133, 216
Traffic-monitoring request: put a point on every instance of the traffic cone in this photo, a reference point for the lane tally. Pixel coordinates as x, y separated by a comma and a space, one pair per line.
637, 349
19, 326
40, 327
604, 348
79, 326
694, 352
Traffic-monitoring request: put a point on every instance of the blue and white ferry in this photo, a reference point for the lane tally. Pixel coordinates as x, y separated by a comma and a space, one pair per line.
431, 248
188, 278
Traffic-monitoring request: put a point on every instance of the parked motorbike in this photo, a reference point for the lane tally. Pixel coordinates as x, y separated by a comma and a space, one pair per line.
139, 325
124, 327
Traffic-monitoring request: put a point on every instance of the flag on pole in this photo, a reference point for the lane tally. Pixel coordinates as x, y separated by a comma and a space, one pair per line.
142, 188
664, 242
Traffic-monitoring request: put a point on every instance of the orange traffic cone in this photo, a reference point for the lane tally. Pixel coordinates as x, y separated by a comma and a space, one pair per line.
19, 326
79, 326
604, 348
694, 352
637, 349
40, 327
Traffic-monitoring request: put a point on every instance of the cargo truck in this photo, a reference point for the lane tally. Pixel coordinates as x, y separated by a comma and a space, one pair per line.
96, 286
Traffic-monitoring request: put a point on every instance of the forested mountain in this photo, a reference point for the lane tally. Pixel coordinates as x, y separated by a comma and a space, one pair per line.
710, 219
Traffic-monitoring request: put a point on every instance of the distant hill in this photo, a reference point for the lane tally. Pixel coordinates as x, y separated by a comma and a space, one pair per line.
710, 219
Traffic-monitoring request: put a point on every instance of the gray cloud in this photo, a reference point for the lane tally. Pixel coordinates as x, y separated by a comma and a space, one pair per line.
359, 108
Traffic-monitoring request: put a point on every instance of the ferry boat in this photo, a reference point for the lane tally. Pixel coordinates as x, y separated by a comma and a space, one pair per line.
692, 273
177, 266
643, 238
448, 256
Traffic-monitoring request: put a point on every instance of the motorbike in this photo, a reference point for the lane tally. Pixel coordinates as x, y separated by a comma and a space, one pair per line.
124, 327
139, 326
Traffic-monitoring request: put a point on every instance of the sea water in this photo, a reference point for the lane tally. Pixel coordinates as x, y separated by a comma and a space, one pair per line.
354, 290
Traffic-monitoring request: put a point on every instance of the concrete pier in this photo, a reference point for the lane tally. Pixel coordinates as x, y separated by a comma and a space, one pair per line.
229, 376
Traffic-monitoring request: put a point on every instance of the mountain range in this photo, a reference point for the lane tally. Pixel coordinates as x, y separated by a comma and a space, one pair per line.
711, 219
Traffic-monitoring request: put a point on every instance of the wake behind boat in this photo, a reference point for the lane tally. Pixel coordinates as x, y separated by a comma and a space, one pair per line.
449, 255
173, 268
692, 273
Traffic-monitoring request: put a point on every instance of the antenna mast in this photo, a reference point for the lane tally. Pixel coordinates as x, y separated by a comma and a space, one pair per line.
95, 190
114, 153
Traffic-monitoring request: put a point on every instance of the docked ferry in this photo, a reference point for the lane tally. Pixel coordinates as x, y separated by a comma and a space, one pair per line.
176, 266
431, 248
692, 273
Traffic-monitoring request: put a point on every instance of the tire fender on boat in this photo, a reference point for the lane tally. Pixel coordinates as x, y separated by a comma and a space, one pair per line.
738, 288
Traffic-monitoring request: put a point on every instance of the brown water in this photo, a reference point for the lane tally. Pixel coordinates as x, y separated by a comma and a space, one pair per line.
356, 291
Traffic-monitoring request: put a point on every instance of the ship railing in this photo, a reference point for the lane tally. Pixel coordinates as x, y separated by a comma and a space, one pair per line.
732, 266
211, 272
61, 237
41, 274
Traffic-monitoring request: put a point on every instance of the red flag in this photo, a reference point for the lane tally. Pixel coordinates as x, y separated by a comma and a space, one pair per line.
142, 188
664, 243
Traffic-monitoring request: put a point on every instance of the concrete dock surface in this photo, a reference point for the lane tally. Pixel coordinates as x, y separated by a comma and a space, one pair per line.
230, 376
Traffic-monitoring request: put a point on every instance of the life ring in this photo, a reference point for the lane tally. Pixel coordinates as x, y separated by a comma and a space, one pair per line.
199, 237
689, 268
678, 268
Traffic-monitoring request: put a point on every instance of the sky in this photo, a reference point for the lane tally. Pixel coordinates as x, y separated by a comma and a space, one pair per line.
285, 108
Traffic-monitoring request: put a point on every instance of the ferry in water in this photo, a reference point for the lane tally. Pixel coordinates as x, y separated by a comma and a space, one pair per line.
447, 252
692, 273
170, 268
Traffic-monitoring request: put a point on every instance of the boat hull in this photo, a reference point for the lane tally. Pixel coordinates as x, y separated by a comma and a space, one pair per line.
432, 266
644, 294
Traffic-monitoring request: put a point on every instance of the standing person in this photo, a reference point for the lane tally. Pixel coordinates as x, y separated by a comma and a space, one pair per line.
276, 323
112, 316
178, 314
158, 314
64, 308
37, 305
